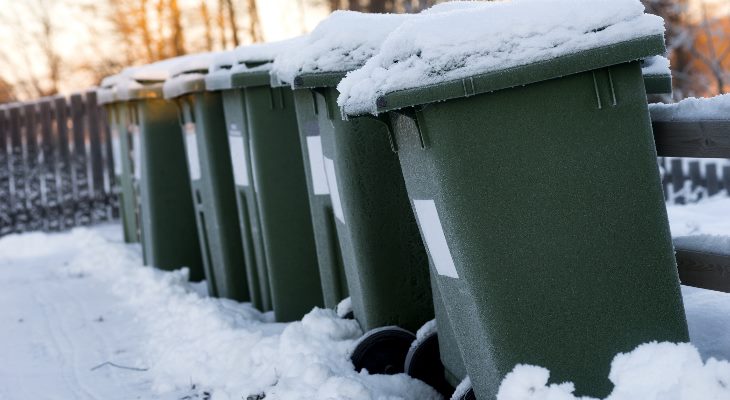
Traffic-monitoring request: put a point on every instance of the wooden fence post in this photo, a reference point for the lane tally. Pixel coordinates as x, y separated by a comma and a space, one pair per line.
65, 167
6, 215
49, 171
17, 169
79, 161
99, 204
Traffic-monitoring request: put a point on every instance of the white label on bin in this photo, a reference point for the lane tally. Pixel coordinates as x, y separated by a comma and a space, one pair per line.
238, 158
136, 152
116, 151
191, 145
316, 165
433, 233
334, 190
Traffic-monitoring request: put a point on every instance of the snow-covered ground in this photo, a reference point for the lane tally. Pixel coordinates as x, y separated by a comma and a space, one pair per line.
82, 319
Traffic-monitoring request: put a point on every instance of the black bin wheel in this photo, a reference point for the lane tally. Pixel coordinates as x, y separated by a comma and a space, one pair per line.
382, 350
423, 362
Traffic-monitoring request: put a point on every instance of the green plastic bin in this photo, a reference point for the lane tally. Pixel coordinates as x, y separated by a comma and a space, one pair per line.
279, 185
123, 153
385, 261
329, 252
211, 177
219, 79
538, 197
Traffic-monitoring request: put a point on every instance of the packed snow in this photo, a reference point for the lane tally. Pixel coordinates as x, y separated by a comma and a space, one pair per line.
657, 65
708, 217
266, 52
162, 335
693, 109
428, 50
652, 371
84, 319
340, 43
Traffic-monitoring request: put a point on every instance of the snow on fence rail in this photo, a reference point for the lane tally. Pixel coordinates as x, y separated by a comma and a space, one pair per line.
56, 165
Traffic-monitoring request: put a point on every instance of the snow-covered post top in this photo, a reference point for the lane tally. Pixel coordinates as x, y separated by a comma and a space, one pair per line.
442, 47
692, 109
187, 74
340, 43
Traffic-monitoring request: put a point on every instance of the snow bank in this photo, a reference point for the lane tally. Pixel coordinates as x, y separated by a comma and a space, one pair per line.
229, 349
442, 47
340, 43
449, 6
693, 109
706, 217
652, 371
657, 65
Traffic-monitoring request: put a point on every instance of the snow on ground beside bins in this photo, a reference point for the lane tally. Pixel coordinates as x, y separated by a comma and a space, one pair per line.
709, 217
430, 50
693, 109
657, 65
340, 43
222, 347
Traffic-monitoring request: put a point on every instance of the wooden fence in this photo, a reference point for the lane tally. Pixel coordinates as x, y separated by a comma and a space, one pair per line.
56, 165
688, 181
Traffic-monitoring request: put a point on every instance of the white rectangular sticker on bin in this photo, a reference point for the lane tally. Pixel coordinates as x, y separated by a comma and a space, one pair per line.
334, 190
433, 232
136, 153
238, 158
316, 164
191, 145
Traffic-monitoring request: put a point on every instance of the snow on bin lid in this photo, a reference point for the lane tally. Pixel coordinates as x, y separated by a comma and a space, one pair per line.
457, 5
219, 71
340, 43
693, 109
187, 75
264, 52
496, 39
657, 65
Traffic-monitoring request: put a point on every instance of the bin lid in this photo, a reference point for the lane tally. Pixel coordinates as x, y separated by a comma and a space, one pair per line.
693, 109
253, 62
465, 52
657, 75
188, 75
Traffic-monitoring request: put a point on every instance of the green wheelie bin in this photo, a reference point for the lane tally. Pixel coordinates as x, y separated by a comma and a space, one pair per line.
218, 79
123, 151
278, 179
384, 259
169, 238
211, 177
536, 191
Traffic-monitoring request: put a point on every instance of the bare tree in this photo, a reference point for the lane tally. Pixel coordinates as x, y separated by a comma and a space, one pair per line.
205, 14
254, 24
232, 20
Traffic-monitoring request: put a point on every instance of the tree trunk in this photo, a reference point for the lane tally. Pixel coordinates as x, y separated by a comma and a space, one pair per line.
232, 21
254, 26
178, 39
205, 13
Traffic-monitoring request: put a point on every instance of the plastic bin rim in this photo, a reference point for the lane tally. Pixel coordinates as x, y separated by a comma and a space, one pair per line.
318, 79
247, 78
583, 61
146, 91
189, 86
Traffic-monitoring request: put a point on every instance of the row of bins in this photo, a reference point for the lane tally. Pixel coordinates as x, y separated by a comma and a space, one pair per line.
427, 214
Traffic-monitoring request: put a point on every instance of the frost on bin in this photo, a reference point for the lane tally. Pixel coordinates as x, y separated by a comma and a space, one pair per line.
428, 50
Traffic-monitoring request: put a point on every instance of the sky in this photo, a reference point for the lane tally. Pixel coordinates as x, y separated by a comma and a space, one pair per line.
280, 19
